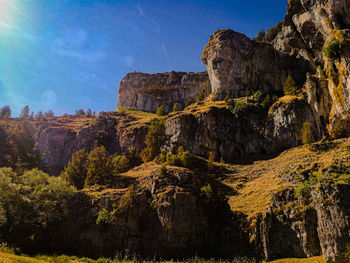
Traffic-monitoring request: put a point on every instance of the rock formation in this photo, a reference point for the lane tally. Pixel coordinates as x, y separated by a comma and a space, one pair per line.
238, 66
146, 92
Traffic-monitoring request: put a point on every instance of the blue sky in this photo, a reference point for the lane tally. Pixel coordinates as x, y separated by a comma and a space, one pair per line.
69, 54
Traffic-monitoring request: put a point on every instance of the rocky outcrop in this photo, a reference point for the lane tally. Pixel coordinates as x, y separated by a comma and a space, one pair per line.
254, 132
164, 215
146, 92
237, 65
57, 142
308, 27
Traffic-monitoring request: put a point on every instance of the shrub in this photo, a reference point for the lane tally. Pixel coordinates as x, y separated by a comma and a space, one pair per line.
161, 111
127, 199
332, 50
273, 31
5, 112
267, 101
76, 170
289, 86
155, 138
188, 102
121, 164
200, 96
243, 108
100, 168
207, 192
306, 136
176, 107
257, 96
261, 36
104, 218
211, 160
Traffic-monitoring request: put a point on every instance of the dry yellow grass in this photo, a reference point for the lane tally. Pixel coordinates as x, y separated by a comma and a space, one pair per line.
300, 260
10, 258
256, 183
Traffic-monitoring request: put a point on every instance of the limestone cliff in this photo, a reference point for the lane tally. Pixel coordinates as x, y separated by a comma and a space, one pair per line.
237, 65
146, 92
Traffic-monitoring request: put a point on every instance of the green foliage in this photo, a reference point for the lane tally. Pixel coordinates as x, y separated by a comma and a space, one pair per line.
243, 108
304, 188
100, 167
5, 112
103, 138
32, 203
127, 199
306, 135
188, 102
332, 51
273, 31
104, 218
163, 170
207, 192
200, 96
76, 170
267, 101
289, 86
176, 107
257, 96
161, 111
121, 164
346, 253
18, 149
155, 138
261, 36
211, 161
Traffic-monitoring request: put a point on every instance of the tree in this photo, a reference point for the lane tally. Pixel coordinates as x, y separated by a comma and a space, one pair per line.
79, 112
49, 114
121, 164
39, 115
176, 106
289, 86
261, 35
161, 111
155, 138
88, 113
257, 96
100, 168
211, 160
5, 112
200, 96
76, 170
25, 113
267, 101
306, 136
188, 102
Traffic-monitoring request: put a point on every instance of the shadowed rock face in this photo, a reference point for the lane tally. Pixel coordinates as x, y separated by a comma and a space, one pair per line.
146, 92
237, 65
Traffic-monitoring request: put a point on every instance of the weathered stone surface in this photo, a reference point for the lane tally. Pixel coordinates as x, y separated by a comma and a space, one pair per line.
57, 143
237, 65
232, 137
146, 92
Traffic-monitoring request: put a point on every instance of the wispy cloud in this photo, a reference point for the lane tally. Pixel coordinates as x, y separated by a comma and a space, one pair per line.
155, 25
165, 51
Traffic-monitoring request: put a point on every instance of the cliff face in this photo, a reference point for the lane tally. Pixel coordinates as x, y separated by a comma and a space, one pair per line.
146, 92
58, 140
237, 65
308, 27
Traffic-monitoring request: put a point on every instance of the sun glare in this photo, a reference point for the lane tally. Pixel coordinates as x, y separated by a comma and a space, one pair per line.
6, 10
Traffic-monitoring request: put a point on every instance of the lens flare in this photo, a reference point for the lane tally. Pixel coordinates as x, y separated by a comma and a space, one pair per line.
6, 10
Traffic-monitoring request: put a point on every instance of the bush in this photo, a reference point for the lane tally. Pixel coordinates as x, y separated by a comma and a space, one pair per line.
155, 138
207, 192
261, 36
188, 102
76, 170
176, 107
289, 86
306, 136
243, 108
273, 31
200, 96
332, 51
100, 167
211, 161
257, 96
32, 203
267, 101
121, 164
161, 111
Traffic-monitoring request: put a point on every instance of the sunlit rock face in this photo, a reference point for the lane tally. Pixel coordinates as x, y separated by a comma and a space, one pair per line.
238, 66
146, 92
